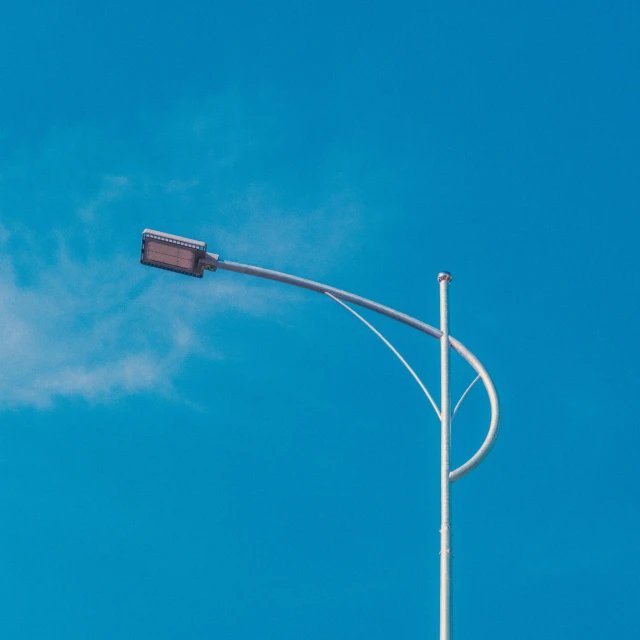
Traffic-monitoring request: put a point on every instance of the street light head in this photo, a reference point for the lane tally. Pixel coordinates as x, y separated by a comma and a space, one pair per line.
444, 275
173, 253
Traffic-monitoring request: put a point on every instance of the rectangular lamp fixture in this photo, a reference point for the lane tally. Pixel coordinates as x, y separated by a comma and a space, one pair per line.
173, 253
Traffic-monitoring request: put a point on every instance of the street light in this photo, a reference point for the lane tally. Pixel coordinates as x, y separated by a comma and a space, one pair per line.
175, 253
190, 257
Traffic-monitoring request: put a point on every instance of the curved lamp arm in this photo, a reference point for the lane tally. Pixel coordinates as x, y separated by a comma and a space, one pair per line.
212, 262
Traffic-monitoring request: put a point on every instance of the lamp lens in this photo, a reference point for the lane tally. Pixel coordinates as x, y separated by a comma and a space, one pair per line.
170, 255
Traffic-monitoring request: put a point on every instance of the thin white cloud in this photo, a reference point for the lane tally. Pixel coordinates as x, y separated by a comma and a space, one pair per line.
105, 329
281, 237
4, 234
129, 374
180, 186
78, 319
113, 188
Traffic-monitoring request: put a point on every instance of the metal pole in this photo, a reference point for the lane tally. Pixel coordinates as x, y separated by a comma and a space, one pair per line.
212, 262
444, 279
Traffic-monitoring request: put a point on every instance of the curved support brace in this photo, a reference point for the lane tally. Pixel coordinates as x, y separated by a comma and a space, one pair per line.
393, 349
494, 426
464, 395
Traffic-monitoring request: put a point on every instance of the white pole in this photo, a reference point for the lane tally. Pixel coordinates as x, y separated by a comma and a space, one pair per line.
444, 279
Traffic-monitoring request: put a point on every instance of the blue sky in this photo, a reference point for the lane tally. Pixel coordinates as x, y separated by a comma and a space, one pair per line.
230, 458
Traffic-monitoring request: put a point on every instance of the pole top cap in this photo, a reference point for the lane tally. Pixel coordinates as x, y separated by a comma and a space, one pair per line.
444, 275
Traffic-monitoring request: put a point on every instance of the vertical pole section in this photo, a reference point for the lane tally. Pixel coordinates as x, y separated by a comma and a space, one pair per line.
444, 279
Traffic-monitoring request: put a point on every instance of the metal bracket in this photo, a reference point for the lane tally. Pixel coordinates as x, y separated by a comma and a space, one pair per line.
209, 262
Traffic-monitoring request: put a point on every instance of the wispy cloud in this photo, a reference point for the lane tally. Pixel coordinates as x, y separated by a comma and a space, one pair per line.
102, 329
78, 318
113, 188
4, 234
284, 237
57, 336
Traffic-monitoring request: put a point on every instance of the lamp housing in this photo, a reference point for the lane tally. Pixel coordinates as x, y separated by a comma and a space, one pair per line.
173, 253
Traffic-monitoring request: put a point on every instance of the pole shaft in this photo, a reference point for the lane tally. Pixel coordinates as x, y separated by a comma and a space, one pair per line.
445, 450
